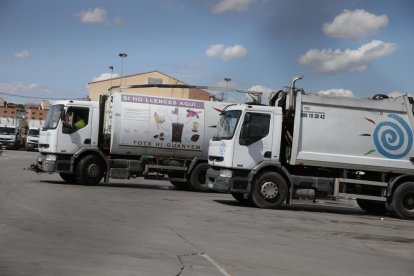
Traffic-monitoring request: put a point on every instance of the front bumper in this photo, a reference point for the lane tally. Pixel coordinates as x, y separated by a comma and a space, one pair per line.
44, 165
8, 144
216, 182
32, 146
237, 183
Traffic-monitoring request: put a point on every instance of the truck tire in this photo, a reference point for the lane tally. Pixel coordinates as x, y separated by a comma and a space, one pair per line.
269, 190
402, 204
242, 199
89, 170
180, 185
372, 206
68, 177
198, 177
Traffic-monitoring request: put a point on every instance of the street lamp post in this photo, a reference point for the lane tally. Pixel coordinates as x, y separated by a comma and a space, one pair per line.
122, 56
112, 72
227, 80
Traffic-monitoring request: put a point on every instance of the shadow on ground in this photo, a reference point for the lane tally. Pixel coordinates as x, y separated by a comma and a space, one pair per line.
308, 207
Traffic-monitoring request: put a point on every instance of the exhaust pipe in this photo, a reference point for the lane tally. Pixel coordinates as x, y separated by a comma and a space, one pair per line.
292, 90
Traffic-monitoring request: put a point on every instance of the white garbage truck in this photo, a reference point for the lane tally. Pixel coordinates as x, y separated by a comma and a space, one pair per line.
332, 146
32, 135
129, 135
10, 134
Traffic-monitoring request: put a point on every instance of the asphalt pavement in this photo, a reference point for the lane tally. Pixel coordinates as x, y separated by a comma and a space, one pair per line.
142, 227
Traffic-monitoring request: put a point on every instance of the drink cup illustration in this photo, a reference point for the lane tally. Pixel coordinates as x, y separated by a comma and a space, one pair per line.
177, 132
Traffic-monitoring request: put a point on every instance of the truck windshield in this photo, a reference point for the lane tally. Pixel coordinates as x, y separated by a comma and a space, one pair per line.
227, 125
53, 117
7, 130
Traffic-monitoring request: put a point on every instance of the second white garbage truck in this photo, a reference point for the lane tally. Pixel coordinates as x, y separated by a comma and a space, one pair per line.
358, 148
32, 135
129, 135
10, 135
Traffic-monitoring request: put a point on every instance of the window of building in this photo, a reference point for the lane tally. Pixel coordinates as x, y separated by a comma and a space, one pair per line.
154, 81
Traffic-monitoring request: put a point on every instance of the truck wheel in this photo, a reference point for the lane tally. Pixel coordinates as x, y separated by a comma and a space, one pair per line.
198, 177
372, 206
68, 177
270, 190
178, 184
402, 204
242, 199
89, 170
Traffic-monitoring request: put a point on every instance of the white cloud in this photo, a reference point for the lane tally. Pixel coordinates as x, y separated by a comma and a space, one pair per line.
339, 92
265, 92
215, 50
226, 53
260, 88
21, 54
395, 94
355, 24
98, 16
18, 89
232, 5
105, 76
329, 61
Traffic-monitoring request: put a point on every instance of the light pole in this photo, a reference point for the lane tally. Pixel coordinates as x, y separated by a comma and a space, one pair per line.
122, 56
112, 72
227, 80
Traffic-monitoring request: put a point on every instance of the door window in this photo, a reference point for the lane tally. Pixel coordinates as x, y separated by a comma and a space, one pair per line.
255, 127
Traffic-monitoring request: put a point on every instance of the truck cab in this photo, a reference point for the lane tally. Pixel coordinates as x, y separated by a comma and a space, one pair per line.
32, 139
61, 139
246, 135
10, 136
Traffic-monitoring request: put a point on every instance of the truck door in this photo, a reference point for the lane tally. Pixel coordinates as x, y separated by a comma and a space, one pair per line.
255, 140
76, 130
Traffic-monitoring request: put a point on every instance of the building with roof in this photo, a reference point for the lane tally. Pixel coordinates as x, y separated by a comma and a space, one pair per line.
29, 114
97, 88
35, 113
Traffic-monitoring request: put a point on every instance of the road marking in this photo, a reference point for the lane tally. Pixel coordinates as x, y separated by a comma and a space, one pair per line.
219, 267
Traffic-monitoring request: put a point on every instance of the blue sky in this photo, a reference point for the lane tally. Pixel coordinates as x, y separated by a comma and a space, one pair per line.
54, 48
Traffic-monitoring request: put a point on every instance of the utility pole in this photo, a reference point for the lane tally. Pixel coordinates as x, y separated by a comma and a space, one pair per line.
112, 72
122, 56
227, 80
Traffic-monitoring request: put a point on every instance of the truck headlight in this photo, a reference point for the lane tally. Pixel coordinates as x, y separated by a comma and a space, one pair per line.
50, 157
226, 173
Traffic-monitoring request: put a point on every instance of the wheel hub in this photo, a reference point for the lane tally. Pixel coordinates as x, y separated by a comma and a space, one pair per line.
408, 202
269, 190
93, 170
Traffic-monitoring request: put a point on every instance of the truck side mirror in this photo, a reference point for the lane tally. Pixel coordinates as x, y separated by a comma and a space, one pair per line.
247, 118
66, 128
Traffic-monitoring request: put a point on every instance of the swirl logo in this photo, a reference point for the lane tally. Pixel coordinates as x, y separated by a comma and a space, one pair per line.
222, 148
393, 139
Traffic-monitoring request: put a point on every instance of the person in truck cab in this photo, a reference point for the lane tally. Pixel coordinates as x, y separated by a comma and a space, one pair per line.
79, 122
75, 120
